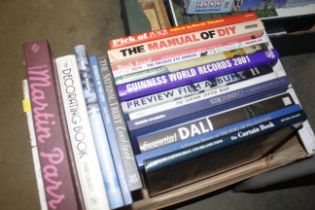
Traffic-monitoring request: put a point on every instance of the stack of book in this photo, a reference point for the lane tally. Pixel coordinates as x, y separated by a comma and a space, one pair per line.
162, 111
202, 96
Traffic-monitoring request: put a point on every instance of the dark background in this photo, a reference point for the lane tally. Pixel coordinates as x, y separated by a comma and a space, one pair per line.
93, 23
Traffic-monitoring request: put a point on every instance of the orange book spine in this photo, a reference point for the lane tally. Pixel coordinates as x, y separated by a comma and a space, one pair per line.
184, 41
174, 31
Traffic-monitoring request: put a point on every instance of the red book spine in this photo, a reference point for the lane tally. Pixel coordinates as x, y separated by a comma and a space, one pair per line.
57, 171
185, 41
174, 31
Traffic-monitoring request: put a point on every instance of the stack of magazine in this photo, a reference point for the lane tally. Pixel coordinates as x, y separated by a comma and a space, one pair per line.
163, 110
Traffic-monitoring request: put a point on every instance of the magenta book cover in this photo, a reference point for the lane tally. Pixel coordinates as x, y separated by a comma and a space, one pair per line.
50, 135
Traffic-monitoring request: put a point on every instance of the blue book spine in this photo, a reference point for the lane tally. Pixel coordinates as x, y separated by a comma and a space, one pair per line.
207, 137
206, 112
122, 135
208, 123
109, 173
191, 75
212, 105
249, 133
99, 89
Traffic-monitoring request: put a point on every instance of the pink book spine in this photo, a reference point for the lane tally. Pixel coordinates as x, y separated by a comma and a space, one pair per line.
57, 172
154, 61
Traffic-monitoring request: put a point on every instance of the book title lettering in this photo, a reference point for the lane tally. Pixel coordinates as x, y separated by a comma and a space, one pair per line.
73, 106
39, 79
178, 41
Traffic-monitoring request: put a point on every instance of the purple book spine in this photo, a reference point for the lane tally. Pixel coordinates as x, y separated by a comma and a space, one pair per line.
199, 73
56, 166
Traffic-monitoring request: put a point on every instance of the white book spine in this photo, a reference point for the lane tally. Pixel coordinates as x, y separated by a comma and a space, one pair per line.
82, 142
36, 161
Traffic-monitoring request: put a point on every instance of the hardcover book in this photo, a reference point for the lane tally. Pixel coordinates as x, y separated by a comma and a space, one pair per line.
118, 138
194, 88
138, 66
177, 30
81, 137
214, 163
209, 106
53, 147
184, 61
186, 41
197, 127
114, 121
197, 73
207, 137
110, 176
198, 98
